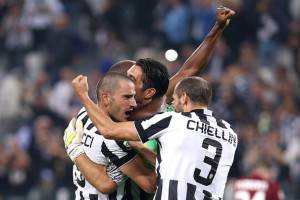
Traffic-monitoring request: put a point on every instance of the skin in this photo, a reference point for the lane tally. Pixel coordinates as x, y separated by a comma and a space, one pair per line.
120, 102
146, 105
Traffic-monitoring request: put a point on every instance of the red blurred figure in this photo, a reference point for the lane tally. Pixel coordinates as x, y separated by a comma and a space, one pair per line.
259, 185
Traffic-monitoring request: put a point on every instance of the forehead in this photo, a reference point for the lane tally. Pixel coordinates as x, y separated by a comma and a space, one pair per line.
125, 87
135, 71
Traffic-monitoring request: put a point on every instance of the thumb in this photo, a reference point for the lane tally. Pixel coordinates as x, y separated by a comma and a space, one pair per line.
69, 131
79, 127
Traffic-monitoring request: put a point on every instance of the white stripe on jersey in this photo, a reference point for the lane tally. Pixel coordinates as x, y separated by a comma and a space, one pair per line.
93, 143
195, 155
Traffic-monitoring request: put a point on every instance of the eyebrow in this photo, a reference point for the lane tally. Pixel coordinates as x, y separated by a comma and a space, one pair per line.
131, 77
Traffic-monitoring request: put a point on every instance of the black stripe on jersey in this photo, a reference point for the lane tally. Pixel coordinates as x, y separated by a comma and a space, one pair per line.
112, 196
81, 195
145, 134
115, 159
81, 113
90, 126
173, 189
187, 114
203, 118
123, 147
158, 157
97, 132
220, 123
190, 191
207, 195
84, 120
159, 190
93, 196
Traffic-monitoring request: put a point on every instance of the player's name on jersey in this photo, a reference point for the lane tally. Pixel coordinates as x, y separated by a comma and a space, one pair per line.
219, 133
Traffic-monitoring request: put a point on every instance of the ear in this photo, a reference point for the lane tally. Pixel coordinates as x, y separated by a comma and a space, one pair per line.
184, 99
105, 98
149, 93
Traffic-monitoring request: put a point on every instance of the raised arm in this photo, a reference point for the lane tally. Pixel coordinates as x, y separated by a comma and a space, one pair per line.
104, 124
195, 63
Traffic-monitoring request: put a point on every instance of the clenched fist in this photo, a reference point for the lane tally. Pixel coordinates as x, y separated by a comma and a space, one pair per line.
80, 85
223, 16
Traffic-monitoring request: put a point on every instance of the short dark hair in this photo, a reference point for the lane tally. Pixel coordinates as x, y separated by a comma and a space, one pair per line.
122, 66
155, 75
197, 89
110, 82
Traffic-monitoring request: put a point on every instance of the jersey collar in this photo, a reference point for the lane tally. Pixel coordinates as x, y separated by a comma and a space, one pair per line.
203, 112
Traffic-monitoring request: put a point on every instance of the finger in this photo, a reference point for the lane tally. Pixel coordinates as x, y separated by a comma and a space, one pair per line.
229, 15
79, 126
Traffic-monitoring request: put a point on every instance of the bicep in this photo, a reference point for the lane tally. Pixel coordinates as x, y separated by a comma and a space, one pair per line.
122, 131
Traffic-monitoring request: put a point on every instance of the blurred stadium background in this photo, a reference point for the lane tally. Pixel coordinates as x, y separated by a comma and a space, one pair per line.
254, 70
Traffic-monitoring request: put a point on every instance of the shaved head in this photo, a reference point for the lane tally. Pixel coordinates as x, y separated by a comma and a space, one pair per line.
197, 89
109, 83
122, 66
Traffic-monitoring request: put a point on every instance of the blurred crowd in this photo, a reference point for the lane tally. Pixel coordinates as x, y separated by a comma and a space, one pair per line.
255, 73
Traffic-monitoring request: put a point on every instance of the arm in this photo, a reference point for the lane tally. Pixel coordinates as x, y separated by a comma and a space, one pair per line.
195, 63
136, 170
95, 174
144, 151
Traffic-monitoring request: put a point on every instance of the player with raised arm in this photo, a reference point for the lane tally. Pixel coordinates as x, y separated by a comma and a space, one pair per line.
196, 150
117, 100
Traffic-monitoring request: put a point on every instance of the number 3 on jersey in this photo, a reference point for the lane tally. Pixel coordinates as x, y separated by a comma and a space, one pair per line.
213, 162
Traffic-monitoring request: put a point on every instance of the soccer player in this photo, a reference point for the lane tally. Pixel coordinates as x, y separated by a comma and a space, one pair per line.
258, 185
116, 100
196, 150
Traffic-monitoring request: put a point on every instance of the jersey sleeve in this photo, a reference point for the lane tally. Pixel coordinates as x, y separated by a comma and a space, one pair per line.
152, 145
117, 152
94, 153
93, 149
153, 127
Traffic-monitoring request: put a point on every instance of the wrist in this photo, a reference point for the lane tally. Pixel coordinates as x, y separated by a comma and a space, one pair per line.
84, 96
221, 25
74, 151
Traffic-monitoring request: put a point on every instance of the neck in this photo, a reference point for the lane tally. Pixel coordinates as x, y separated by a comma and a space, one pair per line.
191, 107
155, 106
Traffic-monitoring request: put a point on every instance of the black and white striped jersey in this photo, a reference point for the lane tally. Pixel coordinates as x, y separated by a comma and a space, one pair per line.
101, 151
196, 151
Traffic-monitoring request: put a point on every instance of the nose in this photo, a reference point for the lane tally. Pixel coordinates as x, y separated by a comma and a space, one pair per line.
133, 103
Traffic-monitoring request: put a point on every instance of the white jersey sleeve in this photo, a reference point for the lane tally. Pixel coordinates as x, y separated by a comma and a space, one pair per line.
154, 126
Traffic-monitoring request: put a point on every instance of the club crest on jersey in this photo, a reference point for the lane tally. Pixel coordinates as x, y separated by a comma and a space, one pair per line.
125, 143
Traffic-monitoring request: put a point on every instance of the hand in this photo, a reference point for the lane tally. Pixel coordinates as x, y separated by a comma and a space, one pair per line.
115, 173
80, 85
223, 16
72, 139
136, 144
